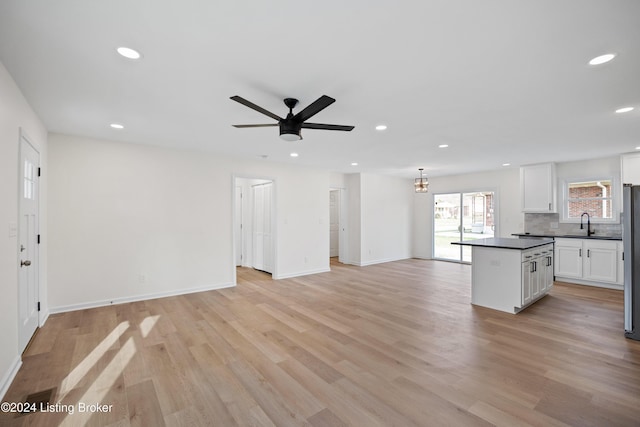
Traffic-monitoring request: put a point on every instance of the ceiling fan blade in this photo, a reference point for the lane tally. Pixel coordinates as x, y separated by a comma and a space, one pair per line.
314, 108
255, 126
326, 127
255, 107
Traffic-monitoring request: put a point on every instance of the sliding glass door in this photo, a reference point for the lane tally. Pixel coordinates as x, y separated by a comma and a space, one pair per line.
458, 217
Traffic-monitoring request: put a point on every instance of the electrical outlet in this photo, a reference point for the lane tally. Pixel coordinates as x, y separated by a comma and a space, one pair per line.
142, 278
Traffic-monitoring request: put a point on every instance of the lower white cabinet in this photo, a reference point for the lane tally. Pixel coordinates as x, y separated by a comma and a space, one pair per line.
537, 273
589, 261
508, 278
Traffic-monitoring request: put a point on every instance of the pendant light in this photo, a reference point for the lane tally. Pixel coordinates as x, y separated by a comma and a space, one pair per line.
421, 184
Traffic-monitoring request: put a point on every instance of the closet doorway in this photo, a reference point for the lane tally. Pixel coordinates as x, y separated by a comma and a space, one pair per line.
338, 232
254, 224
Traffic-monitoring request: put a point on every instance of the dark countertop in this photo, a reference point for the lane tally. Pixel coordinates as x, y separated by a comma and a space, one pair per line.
505, 243
570, 236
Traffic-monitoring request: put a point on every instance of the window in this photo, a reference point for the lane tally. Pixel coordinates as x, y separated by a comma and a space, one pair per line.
29, 180
597, 197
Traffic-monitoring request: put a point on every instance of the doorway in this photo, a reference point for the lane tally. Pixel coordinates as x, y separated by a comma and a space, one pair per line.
334, 223
254, 224
458, 217
28, 229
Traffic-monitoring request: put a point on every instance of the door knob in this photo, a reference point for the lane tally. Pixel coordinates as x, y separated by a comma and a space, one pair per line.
26, 263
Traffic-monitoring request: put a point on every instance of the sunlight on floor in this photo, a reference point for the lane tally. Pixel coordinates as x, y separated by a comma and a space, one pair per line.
104, 382
102, 385
79, 372
147, 325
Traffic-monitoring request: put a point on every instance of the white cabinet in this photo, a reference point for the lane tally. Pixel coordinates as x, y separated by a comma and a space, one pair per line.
568, 257
508, 278
537, 273
548, 271
600, 262
538, 188
589, 261
630, 167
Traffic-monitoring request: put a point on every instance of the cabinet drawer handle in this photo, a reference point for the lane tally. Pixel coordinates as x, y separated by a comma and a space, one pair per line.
549, 206
579, 252
588, 253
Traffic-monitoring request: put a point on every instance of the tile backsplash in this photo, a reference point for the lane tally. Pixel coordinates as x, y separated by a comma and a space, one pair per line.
541, 223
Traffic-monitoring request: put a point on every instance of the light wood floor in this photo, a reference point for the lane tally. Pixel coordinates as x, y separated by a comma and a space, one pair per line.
395, 344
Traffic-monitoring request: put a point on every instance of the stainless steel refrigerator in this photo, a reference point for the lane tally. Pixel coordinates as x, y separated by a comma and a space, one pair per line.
631, 241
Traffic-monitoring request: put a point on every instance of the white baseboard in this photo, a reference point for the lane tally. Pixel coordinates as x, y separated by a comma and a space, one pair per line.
43, 317
302, 273
94, 304
380, 261
588, 283
8, 377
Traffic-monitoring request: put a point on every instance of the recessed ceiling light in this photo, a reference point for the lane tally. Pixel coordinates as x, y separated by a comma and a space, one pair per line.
127, 52
354, 164
381, 127
506, 164
443, 145
602, 59
294, 154
637, 148
624, 110
116, 126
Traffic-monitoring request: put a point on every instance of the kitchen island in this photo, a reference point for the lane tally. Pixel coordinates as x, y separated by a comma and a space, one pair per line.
509, 274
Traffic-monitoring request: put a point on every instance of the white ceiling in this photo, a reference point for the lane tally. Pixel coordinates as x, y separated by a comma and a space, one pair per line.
499, 81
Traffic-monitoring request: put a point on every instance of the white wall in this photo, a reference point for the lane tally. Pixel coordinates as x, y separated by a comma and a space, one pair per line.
131, 221
354, 221
380, 218
15, 113
387, 218
506, 184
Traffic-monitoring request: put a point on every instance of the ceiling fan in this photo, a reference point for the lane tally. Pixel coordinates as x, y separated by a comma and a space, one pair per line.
291, 126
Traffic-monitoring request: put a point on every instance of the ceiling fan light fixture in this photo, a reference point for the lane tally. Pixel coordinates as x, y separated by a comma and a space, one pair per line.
292, 124
290, 136
421, 184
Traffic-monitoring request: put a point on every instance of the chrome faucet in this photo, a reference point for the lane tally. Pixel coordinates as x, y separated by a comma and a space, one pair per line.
589, 232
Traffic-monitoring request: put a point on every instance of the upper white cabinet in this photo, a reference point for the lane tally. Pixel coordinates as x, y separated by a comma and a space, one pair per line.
538, 188
630, 165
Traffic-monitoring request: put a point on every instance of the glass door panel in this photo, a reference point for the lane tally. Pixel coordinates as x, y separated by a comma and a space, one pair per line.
460, 217
446, 226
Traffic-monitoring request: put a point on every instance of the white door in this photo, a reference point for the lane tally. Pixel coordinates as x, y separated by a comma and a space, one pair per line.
28, 249
334, 223
262, 236
238, 231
